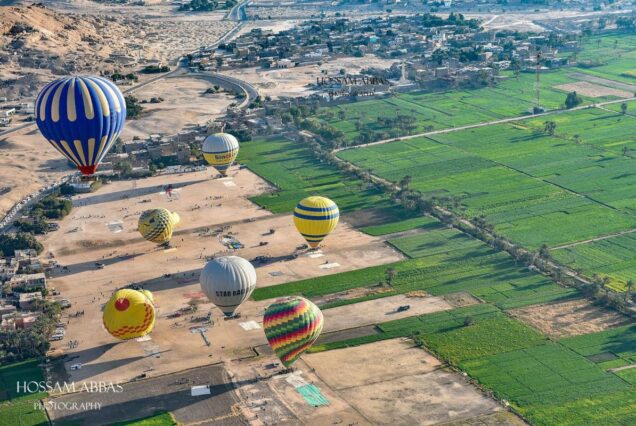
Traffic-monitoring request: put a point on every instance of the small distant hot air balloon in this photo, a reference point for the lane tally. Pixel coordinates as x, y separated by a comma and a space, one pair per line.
129, 314
315, 217
228, 281
220, 151
291, 326
156, 225
81, 117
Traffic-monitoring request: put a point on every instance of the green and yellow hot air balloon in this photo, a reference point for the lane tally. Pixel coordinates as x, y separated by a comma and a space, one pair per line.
315, 217
220, 151
291, 326
156, 225
129, 314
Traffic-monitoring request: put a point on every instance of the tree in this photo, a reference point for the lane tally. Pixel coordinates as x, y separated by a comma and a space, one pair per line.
405, 182
549, 127
544, 252
572, 100
391, 273
624, 108
628, 291
123, 167
133, 109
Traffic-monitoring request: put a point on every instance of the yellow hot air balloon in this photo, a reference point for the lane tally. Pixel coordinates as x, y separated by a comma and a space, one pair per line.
315, 217
129, 314
156, 225
220, 151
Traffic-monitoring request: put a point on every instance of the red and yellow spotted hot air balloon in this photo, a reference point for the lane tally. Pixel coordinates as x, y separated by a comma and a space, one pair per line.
129, 314
291, 326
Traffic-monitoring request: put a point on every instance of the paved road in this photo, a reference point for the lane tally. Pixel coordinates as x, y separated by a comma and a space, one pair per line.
231, 83
238, 12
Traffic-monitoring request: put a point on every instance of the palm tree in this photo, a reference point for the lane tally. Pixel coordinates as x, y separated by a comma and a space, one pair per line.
405, 182
628, 292
391, 273
549, 127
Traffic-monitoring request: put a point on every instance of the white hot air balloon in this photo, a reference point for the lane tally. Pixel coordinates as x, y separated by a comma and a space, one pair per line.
228, 281
220, 151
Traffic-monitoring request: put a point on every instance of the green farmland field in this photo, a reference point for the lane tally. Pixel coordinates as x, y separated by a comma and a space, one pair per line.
616, 53
612, 257
503, 173
447, 261
513, 96
18, 409
293, 169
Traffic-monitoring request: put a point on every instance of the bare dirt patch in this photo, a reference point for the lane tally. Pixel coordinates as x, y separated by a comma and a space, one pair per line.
592, 90
405, 358
569, 318
381, 310
405, 386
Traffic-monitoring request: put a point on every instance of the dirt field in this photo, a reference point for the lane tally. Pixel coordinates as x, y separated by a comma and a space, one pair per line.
381, 310
409, 390
592, 90
184, 105
569, 318
102, 228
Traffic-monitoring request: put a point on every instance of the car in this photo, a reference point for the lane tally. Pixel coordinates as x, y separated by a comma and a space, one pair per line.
76, 366
56, 337
403, 308
100, 265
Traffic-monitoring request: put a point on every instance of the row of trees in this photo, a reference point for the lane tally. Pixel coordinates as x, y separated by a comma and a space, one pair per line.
449, 211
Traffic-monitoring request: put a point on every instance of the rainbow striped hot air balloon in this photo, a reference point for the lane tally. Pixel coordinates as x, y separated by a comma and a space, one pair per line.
157, 225
291, 326
129, 314
315, 217
220, 151
81, 117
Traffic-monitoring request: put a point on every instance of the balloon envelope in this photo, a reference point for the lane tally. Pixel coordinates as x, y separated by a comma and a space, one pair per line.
81, 117
291, 326
228, 281
129, 314
157, 225
220, 151
315, 217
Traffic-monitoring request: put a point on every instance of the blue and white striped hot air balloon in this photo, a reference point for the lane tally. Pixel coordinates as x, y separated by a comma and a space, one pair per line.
81, 117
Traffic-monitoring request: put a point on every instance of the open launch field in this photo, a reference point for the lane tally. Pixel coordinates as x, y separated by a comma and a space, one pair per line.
102, 228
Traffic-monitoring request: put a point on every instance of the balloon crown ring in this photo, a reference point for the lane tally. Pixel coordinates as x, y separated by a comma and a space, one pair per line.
122, 304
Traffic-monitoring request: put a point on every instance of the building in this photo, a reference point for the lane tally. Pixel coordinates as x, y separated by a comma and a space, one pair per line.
27, 282
27, 300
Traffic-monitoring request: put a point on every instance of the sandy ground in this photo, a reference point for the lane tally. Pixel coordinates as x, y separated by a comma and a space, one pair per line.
102, 228
409, 390
293, 81
569, 318
184, 105
28, 163
593, 90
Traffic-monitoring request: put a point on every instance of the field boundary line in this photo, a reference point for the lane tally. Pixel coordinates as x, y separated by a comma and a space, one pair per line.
591, 240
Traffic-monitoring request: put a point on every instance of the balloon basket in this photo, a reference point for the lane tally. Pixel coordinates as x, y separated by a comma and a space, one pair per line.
232, 317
